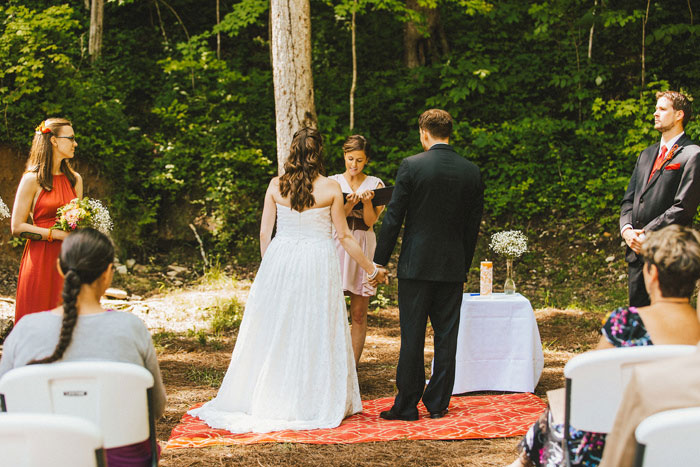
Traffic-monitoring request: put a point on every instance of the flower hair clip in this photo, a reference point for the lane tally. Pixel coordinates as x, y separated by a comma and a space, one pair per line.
42, 129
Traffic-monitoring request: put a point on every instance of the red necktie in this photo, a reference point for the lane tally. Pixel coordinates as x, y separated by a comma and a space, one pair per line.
659, 162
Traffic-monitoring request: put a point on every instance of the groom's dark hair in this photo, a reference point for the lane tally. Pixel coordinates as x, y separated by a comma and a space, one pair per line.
436, 122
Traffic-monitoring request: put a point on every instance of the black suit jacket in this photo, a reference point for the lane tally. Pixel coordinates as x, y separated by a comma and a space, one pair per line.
670, 197
439, 196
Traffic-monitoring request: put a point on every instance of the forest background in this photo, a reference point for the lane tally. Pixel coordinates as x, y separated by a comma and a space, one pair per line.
553, 100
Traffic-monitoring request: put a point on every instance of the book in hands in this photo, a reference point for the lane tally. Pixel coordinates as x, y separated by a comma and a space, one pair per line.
382, 196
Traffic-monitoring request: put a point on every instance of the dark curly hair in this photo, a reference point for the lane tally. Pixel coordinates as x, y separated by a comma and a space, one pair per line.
302, 167
85, 255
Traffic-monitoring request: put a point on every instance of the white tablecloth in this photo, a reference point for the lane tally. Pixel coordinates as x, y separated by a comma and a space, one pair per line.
498, 347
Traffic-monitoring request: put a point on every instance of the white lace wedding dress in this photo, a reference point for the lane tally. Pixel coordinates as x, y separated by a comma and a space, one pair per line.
293, 366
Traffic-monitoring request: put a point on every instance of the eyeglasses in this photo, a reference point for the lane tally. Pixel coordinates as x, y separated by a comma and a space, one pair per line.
71, 137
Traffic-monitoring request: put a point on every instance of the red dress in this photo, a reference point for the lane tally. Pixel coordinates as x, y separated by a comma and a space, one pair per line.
39, 284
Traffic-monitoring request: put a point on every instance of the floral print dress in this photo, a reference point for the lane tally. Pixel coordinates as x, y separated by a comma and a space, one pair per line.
622, 328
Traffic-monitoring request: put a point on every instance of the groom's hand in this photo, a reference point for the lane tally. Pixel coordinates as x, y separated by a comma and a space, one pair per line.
382, 277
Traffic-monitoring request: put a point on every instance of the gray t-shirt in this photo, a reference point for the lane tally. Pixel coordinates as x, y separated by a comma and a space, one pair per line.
113, 336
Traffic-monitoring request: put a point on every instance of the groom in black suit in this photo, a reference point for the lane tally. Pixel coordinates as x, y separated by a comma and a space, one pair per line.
439, 198
664, 188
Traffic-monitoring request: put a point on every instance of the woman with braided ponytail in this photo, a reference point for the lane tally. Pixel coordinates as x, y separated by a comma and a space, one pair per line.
48, 184
81, 329
293, 367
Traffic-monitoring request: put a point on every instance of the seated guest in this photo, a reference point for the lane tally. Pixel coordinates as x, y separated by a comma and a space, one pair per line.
81, 329
671, 270
653, 387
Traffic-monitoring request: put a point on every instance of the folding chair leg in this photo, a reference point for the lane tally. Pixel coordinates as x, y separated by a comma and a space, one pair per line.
152, 429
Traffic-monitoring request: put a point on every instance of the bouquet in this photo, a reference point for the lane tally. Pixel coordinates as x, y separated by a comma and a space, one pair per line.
80, 213
4, 211
510, 243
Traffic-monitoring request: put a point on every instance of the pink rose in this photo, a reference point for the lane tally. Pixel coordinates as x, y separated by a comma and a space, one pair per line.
72, 216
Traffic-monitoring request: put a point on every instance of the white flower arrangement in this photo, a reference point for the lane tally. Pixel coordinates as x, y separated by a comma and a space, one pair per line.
4, 211
510, 243
101, 219
86, 212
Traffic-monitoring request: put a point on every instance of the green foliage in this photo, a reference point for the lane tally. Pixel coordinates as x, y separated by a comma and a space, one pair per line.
185, 136
227, 316
35, 56
205, 376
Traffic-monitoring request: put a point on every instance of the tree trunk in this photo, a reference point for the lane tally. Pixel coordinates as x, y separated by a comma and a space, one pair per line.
291, 72
96, 21
421, 45
590, 34
354, 70
644, 38
218, 33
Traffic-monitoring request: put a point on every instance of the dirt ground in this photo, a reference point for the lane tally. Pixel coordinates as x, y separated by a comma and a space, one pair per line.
193, 362
192, 370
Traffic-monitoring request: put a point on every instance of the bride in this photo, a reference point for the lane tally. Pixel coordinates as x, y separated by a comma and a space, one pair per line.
293, 367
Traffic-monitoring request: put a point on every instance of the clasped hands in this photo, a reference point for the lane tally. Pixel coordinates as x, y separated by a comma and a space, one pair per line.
382, 277
634, 239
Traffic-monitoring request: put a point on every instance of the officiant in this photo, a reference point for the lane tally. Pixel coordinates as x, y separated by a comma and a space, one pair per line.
361, 215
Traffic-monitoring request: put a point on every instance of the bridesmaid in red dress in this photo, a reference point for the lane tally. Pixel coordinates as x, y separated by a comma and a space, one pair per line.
48, 183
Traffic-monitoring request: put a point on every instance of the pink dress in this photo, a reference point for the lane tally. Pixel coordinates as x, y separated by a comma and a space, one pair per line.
354, 277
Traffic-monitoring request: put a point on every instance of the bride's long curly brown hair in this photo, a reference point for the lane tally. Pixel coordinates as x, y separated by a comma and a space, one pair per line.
302, 167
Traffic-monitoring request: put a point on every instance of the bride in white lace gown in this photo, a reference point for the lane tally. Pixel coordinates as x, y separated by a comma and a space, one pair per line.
293, 366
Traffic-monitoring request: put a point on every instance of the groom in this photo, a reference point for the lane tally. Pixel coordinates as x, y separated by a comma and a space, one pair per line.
439, 198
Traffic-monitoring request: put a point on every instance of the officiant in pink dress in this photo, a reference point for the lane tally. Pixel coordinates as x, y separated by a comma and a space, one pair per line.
358, 188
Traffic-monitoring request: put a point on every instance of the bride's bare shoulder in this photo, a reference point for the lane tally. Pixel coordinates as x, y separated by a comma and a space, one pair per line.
274, 185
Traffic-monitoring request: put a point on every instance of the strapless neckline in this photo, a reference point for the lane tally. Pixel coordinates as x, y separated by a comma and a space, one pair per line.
301, 212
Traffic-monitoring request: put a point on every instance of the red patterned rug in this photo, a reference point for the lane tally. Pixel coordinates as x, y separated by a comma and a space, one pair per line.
470, 417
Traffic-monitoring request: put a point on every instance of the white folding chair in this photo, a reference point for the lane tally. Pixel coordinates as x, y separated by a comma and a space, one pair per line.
116, 396
595, 382
669, 438
38, 440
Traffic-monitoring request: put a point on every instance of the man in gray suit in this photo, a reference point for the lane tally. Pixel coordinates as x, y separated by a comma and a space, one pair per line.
439, 198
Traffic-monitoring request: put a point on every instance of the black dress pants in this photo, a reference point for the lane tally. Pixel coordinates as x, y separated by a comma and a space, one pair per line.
637, 290
418, 301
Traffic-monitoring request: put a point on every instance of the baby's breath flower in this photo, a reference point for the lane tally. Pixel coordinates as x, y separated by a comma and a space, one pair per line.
4, 211
101, 220
510, 243
80, 213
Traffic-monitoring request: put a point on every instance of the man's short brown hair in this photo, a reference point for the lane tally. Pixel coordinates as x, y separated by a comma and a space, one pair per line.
679, 102
436, 122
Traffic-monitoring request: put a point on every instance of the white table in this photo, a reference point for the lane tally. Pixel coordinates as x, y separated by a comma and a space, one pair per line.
498, 347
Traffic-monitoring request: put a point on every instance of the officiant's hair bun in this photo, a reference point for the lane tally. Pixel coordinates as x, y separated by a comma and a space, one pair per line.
437, 122
356, 143
675, 251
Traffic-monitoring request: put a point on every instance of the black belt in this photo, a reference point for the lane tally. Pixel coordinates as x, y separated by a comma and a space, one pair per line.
355, 223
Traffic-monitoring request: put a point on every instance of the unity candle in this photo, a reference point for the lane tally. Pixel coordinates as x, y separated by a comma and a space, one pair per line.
486, 278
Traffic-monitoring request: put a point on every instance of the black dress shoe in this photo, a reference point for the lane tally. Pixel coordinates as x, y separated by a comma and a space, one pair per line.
389, 415
439, 414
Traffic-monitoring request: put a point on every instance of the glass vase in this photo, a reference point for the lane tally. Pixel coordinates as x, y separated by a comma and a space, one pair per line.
509, 286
